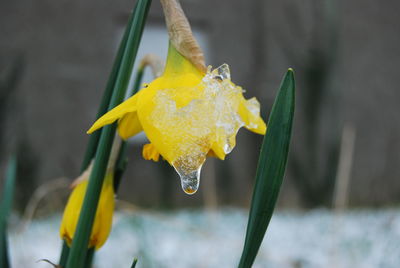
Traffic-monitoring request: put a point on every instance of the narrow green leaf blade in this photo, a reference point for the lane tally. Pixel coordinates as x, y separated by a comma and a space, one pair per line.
80, 242
64, 254
89, 258
134, 263
5, 209
271, 169
122, 159
105, 101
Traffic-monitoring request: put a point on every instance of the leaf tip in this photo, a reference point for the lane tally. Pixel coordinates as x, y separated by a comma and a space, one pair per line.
290, 75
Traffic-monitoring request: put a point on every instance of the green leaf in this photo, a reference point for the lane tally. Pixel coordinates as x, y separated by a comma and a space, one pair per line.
134, 263
105, 101
89, 257
5, 208
271, 169
122, 161
80, 242
64, 254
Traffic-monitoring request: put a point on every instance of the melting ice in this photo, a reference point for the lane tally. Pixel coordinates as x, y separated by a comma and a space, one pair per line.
191, 119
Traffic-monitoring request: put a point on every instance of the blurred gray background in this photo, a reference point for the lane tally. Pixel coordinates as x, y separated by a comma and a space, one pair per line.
55, 57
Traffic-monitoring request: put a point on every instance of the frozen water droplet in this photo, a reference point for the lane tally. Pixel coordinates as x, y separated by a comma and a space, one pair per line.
222, 72
189, 168
218, 77
228, 147
190, 181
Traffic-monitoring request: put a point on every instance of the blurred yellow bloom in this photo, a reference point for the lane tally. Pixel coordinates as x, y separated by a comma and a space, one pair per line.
103, 220
186, 114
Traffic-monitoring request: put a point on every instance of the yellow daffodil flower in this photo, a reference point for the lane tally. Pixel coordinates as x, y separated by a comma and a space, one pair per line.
103, 219
187, 114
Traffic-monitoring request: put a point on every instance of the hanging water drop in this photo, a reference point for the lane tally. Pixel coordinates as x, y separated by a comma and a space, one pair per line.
189, 168
190, 181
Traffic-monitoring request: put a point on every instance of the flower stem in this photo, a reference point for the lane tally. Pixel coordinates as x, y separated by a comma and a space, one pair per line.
80, 242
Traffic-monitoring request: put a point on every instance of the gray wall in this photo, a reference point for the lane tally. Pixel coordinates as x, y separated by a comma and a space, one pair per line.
67, 48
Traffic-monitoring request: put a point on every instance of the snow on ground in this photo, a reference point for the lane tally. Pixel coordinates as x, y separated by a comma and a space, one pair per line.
180, 239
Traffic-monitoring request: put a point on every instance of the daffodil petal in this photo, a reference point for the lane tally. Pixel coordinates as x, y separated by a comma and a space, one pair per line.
217, 151
220, 144
103, 219
118, 112
175, 131
249, 111
129, 125
104, 213
150, 152
71, 212
211, 154
158, 110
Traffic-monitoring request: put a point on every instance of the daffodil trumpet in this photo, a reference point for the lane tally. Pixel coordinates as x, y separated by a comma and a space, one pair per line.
189, 112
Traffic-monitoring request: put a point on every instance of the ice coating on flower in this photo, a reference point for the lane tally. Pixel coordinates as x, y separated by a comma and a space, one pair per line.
254, 107
187, 115
189, 172
210, 119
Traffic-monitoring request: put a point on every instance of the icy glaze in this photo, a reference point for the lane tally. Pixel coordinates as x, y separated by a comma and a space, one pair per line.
191, 120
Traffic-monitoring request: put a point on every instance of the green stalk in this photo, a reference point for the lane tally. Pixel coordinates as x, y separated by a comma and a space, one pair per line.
80, 242
4, 261
94, 138
270, 169
105, 101
134, 263
120, 165
5, 208
89, 257
122, 159
64, 254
